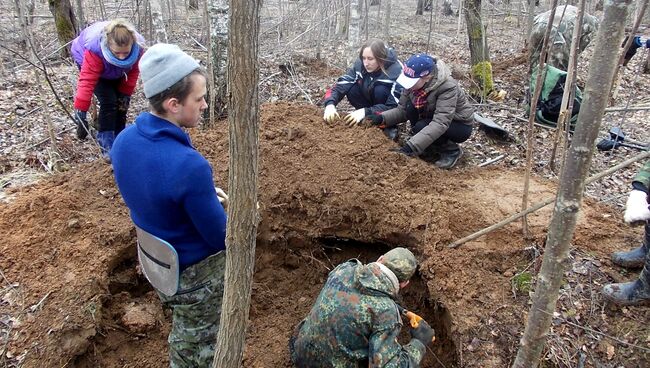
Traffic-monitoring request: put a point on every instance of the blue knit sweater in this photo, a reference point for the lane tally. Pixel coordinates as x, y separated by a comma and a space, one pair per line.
167, 186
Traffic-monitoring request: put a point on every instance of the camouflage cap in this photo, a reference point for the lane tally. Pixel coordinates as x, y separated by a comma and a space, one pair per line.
401, 261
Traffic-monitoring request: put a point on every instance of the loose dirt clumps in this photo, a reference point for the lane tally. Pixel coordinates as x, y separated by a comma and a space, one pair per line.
73, 296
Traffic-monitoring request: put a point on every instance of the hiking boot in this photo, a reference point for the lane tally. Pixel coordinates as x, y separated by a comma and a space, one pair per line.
449, 156
636, 257
105, 140
630, 293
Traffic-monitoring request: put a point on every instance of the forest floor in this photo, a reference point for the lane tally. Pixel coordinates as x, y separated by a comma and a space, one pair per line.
70, 294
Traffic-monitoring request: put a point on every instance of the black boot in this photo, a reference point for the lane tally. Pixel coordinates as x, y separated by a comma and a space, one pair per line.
450, 153
631, 293
636, 257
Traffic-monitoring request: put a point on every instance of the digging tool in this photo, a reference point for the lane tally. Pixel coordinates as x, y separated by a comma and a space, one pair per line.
616, 134
609, 144
489, 126
414, 319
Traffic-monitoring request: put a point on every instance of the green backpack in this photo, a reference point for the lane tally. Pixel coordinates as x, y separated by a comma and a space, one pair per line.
550, 100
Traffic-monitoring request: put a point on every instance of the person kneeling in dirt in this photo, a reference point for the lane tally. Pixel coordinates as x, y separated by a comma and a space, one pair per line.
355, 320
168, 187
636, 210
370, 85
560, 37
437, 107
107, 55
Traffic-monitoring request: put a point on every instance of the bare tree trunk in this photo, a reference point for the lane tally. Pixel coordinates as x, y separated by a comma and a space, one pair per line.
80, 14
218, 50
157, 21
531, 18
66, 27
243, 121
566, 107
642, 5
354, 34
20, 16
429, 46
387, 20
460, 14
420, 8
569, 197
479, 51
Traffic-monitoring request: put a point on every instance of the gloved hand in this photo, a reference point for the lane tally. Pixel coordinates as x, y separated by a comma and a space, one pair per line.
355, 117
424, 333
123, 102
636, 208
82, 123
222, 196
632, 50
330, 114
405, 150
376, 119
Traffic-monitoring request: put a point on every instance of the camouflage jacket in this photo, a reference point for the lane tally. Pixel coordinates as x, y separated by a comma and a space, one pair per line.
355, 323
642, 178
561, 36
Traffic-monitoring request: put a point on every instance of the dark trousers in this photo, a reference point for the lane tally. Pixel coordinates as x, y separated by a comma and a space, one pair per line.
111, 117
457, 132
356, 97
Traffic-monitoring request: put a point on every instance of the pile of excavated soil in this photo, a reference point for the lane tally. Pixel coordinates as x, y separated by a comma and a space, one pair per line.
327, 193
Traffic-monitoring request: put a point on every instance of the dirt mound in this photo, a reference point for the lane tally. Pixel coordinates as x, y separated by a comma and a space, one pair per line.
328, 193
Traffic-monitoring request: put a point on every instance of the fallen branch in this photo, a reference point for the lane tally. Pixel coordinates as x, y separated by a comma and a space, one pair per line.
492, 160
539, 205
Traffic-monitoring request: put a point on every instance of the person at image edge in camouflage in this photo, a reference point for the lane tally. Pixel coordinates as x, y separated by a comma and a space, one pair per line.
355, 320
560, 37
635, 292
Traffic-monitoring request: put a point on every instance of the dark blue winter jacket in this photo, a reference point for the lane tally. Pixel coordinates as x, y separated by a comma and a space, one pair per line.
376, 91
168, 187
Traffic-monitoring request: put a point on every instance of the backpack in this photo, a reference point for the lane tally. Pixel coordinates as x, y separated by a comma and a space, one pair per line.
550, 100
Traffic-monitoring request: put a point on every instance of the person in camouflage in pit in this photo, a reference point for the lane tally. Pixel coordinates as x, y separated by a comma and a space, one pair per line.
355, 320
560, 37
636, 210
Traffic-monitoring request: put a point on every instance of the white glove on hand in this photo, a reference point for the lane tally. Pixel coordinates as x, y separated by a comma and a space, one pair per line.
330, 114
636, 208
222, 196
355, 117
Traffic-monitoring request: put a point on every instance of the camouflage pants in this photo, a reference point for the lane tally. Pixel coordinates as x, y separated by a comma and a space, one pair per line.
195, 314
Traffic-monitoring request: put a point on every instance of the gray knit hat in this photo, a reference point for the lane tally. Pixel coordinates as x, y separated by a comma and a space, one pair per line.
162, 65
401, 261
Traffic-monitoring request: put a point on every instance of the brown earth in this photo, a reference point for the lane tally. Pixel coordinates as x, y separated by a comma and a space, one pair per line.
327, 194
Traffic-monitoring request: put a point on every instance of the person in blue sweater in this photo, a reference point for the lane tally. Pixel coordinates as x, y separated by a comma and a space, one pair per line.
370, 85
169, 190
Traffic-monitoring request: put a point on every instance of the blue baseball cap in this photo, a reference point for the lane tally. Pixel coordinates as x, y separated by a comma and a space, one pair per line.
416, 67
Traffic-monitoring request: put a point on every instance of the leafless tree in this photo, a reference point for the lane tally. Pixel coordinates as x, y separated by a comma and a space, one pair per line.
479, 51
158, 23
354, 34
243, 121
572, 183
64, 20
218, 53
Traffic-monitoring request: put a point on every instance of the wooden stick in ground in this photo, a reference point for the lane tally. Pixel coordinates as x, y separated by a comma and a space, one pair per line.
539, 205
530, 132
569, 88
613, 93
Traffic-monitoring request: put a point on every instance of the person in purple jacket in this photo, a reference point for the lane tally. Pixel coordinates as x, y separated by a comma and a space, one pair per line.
107, 54
169, 190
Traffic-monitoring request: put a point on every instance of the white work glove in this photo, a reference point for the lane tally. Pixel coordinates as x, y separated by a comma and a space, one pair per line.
222, 196
355, 117
636, 208
330, 114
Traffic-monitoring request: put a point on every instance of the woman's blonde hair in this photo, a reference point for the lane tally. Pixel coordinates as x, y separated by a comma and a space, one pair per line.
120, 32
379, 51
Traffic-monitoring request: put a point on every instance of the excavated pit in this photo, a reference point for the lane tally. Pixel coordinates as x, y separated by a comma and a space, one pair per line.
133, 324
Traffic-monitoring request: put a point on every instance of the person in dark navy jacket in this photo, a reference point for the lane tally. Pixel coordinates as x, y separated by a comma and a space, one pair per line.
370, 84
